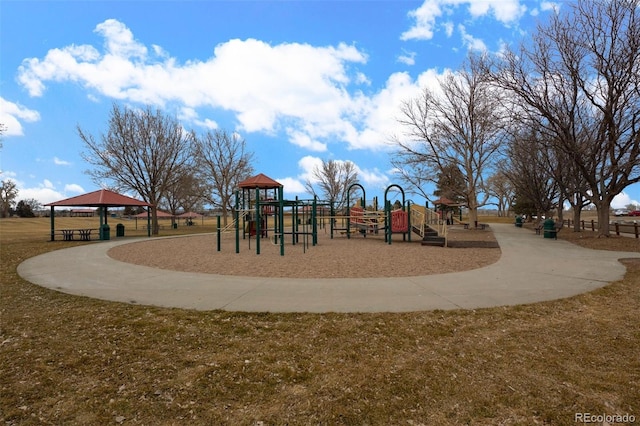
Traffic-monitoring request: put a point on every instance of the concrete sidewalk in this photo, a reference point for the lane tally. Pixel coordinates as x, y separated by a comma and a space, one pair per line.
531, 269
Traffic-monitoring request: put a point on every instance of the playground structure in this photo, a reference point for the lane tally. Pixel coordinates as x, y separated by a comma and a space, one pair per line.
398, 218
261, 212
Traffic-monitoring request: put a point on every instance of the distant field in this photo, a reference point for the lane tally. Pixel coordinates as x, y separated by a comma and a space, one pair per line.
29, 228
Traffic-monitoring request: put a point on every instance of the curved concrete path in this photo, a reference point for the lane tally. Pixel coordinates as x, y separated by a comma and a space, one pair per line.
531, 269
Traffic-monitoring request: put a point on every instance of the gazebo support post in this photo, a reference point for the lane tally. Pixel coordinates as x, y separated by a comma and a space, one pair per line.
100, 209
53, 229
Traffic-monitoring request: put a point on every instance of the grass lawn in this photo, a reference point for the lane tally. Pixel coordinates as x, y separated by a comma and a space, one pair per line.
71, 360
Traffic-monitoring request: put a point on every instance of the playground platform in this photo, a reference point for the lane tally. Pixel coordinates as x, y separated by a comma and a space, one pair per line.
531, 269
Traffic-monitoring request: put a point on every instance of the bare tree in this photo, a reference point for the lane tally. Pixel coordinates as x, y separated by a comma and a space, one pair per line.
463, 126
581, 74
186, 192
8, 195
525, 167
222, 162
501, 188
143, 150
413, 173
333, 178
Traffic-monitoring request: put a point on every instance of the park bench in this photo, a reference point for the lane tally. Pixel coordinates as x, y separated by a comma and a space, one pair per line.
481, 226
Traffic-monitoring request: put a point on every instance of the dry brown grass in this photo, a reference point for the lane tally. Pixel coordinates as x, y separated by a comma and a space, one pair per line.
73, 360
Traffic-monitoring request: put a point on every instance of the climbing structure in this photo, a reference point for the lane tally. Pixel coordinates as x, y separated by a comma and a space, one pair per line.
260, 210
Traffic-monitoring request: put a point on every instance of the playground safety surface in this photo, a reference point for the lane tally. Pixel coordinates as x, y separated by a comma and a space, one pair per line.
530, 269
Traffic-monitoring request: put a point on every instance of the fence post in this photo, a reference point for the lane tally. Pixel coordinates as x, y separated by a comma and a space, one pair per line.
635, 228
593, 226
617, 229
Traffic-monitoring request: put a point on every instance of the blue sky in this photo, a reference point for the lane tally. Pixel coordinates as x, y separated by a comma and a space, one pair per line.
300, 81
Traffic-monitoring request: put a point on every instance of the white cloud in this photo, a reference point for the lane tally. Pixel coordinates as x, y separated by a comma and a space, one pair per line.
622, 200
407, 58
266, 86
308, 164
448, 28
11, 114
74, 188
505, 11
44, 192
292, 186
471, 42
59, 162
372, 178
425, 16
309, 93
119, 40
382, 110
305, 141
546, 6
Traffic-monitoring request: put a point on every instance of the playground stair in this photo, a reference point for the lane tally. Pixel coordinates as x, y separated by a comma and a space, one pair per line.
429, 226
431, 237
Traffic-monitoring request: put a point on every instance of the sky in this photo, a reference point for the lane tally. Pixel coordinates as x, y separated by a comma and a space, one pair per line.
300, 81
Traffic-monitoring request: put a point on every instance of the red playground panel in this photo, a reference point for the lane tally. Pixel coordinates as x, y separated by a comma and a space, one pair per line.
357, 214
399, 221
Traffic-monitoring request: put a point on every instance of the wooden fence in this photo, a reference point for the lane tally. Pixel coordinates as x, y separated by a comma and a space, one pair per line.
592, 225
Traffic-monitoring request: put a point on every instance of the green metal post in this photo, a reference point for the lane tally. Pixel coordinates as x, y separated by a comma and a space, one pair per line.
281, 217
258, 220
314, 216
294, 225
218, 223
237, 222
100, 229
53, 229
387, 221
409, 227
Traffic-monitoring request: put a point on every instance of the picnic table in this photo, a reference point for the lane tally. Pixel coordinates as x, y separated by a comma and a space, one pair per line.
68, 234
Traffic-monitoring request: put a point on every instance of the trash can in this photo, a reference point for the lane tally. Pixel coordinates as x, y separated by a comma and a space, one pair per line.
175, 225
519, 221
549, 227
119, 230
105, 232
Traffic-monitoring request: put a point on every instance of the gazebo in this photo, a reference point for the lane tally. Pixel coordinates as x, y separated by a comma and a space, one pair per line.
103, 199
444, 204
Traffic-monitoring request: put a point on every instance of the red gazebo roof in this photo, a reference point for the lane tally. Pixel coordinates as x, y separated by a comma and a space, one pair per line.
260, 181
99, 198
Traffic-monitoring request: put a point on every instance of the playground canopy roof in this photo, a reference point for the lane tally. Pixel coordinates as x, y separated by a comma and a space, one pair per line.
444, 201
100, 198
260, 181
